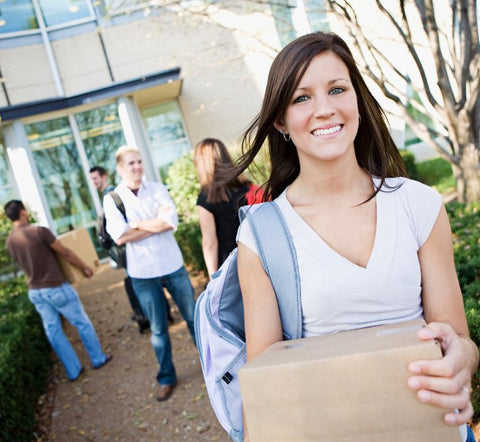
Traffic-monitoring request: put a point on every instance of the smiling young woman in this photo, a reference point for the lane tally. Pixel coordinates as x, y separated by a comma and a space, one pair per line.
373, 247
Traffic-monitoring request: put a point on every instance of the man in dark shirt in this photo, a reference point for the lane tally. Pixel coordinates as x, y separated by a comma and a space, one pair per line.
99, 178
34, 247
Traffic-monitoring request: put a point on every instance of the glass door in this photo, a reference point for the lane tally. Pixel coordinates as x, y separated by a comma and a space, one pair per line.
102, 135
61, 174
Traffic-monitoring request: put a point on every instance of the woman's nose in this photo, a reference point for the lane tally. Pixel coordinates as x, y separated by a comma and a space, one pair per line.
323, 107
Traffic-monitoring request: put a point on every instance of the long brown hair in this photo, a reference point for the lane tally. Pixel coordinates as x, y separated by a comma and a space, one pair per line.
211, 157
375, 149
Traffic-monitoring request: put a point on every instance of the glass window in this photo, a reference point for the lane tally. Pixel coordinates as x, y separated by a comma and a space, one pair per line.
61, 174
8, 189
17, 15
102, 135
316, 15
57, 12
282, 14
167, 135
115, 7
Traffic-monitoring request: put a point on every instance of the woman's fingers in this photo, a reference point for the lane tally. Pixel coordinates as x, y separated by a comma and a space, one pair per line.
460, 400
440, 385
460, 417
444, 382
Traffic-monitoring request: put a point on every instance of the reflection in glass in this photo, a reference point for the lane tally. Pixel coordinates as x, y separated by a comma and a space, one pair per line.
61, 175
115, 7
282, 15
167, 135
17, 15
316, 15
57, 12
102, 135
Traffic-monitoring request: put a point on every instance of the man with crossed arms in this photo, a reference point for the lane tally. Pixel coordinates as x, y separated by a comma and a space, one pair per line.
154, 259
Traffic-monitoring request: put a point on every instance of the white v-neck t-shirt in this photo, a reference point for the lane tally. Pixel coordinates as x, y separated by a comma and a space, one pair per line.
338, 295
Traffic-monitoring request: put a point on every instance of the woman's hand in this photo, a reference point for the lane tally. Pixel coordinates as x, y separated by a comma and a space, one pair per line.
446, 382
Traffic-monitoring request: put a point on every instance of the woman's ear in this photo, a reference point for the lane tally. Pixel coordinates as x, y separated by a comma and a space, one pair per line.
279, 126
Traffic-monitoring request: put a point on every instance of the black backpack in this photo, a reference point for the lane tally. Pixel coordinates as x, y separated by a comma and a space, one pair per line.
116, 252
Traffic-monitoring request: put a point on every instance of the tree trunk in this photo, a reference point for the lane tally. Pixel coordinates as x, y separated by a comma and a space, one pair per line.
467, 174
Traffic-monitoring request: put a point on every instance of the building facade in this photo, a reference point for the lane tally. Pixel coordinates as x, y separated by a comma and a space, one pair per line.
82, 77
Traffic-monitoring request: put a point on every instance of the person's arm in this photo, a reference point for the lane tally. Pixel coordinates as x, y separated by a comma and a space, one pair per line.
444, 382
165, 219
71, 257
262, 318
142, 228
209, 239
123, 232
132, 235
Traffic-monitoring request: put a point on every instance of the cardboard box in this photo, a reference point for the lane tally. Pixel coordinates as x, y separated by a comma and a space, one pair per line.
81, 244
346, 387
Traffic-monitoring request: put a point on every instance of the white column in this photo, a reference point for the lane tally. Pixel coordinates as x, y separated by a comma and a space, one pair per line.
134, 132
26, 175
300, 19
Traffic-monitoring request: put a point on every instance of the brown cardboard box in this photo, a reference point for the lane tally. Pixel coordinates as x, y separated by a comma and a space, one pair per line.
78, 241
346, 387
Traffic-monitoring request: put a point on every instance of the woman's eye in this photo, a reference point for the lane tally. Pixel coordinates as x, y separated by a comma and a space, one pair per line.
300, 99
336, 90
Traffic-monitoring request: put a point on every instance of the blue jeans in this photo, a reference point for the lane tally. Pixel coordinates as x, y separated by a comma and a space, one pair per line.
152, 299
50, 303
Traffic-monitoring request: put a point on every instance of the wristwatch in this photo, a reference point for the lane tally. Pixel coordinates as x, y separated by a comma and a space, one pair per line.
133, 224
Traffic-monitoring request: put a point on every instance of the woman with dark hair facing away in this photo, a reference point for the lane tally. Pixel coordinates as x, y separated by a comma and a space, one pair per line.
218, 205
373, 247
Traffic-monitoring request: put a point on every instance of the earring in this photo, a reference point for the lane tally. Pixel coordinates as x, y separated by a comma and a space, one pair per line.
286, 137
359, 118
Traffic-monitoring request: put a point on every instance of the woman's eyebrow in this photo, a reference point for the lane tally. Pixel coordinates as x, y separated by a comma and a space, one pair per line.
329, 82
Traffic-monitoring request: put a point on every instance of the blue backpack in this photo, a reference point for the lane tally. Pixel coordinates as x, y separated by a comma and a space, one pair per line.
219, 322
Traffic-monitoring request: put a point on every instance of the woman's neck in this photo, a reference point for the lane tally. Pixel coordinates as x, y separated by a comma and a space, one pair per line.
349, 186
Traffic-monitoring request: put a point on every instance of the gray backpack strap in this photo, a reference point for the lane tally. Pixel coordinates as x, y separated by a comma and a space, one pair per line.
279, 259
118, 202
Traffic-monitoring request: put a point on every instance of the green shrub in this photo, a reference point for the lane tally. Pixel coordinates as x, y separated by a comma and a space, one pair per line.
410, 165
25, 359
189, 238
184, 188
465, 222
437, 173
25, 354
8, 266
